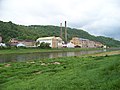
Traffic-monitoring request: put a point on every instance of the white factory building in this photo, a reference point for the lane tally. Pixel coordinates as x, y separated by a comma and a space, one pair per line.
55, 42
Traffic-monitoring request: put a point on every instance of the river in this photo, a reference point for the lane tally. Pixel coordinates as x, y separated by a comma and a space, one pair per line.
36, 56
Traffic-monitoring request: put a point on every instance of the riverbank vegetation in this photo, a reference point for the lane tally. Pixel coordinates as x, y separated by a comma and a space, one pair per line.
68, 73
33, 50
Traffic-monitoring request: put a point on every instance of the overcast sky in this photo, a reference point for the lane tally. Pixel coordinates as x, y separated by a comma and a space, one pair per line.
98, 17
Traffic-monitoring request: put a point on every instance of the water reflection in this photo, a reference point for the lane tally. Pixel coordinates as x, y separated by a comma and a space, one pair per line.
36, 56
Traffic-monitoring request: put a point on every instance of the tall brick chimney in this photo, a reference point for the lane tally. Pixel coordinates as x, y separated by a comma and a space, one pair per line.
65, 32
61, 30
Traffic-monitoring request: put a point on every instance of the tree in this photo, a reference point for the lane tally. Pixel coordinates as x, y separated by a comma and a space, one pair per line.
44, 45
10, 30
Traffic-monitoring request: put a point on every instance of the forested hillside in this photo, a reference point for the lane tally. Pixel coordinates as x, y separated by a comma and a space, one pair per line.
10, 30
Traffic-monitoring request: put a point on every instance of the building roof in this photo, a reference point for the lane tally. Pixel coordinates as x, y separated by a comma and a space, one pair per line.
28, 40
20, 40
58, 38
47, 38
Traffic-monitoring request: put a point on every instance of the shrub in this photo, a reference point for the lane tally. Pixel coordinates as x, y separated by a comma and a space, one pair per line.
44, 45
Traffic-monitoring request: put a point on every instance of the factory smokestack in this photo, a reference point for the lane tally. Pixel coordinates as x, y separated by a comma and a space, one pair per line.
61, 30
65, 32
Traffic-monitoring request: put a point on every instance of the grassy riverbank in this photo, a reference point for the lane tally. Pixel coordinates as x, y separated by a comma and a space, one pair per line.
69, 73
32, 50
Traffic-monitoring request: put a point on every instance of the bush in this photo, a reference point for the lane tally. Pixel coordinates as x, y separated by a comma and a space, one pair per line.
44, 45
1, 47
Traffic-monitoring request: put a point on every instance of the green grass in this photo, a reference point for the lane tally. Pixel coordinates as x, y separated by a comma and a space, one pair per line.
32, 50
68, 73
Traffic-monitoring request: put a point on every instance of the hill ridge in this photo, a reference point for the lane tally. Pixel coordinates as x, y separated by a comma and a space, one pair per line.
10, 30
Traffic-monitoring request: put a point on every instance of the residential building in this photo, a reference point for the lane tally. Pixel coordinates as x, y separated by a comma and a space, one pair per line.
27, 43
99, 44
14, 41
70, 45
20, 45
55, 42
85, 43
76, 41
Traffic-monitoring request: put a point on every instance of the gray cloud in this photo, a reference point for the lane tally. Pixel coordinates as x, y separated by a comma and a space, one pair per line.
98, 17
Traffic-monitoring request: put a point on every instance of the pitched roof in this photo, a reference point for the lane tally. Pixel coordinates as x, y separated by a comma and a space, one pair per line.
47, 38
43, 38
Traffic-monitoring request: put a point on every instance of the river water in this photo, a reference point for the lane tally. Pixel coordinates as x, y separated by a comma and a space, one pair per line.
36, 56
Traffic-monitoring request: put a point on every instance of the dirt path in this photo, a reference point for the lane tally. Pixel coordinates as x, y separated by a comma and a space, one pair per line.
107, 53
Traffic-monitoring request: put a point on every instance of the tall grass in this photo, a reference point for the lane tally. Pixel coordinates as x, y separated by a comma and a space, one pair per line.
68, 73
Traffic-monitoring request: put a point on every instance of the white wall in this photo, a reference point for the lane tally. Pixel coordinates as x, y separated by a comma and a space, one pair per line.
46, 41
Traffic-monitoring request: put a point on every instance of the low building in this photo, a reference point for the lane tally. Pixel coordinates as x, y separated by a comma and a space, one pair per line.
20, 45
85, 43
76, 41
99, 44
2, 44
14, 41
90, 44
27, 43
55, 42
70, 45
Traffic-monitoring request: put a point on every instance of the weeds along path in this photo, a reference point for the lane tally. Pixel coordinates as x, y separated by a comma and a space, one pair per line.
106, 53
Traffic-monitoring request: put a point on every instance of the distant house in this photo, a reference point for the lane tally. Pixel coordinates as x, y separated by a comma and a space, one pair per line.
14, 41
20, 45
2, 44
27, 43
99, 44
104, 46
55, 42
85, 43
88, 43
76, 41
70, 45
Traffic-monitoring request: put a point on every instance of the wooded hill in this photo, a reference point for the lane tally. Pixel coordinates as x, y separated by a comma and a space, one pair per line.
10, 30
